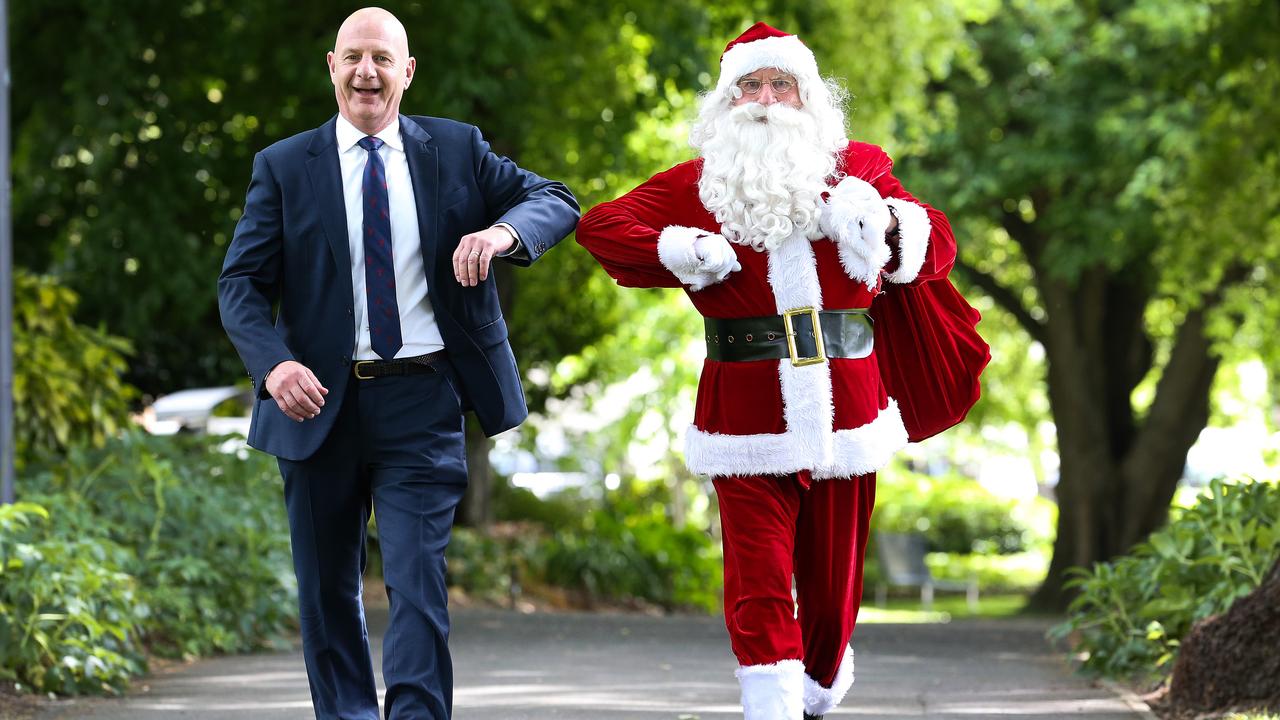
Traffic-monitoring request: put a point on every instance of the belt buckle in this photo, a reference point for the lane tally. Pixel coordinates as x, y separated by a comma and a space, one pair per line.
788, 323
356, 370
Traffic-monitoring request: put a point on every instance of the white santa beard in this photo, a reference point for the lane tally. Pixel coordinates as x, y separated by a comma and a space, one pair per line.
763, 181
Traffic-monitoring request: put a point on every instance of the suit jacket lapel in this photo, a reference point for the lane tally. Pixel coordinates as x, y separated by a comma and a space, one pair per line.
424, 172
326, 183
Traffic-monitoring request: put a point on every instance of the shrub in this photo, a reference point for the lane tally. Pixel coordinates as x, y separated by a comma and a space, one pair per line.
67, 388
205, 532
956, 514
68, 614
517, 504
624, 554
618, 549
491, 566
1131, 613
1017, 572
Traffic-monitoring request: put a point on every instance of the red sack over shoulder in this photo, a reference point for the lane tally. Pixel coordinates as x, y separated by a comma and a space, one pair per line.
930, 354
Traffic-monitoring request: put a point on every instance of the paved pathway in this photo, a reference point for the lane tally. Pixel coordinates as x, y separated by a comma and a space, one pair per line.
616, 667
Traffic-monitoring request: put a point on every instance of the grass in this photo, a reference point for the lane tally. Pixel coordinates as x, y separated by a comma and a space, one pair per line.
1252, 716
946, 607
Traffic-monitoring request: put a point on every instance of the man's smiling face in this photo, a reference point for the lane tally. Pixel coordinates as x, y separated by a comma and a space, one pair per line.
370, 67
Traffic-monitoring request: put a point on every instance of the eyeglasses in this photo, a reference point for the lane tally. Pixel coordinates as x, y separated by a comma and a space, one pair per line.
752, 86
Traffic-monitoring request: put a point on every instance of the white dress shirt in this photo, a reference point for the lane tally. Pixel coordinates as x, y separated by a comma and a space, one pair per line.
418, 328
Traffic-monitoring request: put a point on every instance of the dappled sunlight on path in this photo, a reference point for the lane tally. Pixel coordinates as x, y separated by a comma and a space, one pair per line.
617, 667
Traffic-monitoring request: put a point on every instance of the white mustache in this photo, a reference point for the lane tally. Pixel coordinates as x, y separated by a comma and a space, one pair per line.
775, 113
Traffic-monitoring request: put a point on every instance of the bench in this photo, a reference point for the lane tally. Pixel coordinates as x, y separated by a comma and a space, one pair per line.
902, 564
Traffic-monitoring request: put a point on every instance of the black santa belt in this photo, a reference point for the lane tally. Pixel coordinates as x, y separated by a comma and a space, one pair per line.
793, 335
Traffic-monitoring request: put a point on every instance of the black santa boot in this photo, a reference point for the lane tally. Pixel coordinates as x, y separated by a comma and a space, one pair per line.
807, 716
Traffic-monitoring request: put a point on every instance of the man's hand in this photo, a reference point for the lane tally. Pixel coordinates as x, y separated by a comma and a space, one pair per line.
296, 390
475, 252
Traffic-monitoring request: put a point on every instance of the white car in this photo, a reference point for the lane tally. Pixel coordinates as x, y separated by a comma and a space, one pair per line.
193, 411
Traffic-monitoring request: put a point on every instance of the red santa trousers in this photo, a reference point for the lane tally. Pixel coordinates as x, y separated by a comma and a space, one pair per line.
775, 527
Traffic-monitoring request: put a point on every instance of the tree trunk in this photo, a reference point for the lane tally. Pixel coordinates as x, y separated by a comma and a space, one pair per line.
476, 509
1118, 472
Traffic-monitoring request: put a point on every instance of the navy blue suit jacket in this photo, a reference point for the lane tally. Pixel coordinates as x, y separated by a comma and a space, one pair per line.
285, 288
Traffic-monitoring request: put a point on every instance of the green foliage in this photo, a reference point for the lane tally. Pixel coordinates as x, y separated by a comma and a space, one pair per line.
517, 504
174, 543
131, 156
621, 550
955, 513
132, 153
493, 566
1017, 572
620, 554
1109, 173
67, 385
204, 530
69, 614
1132, 613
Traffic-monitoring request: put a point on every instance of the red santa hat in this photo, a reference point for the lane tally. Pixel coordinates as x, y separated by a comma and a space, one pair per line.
762, 46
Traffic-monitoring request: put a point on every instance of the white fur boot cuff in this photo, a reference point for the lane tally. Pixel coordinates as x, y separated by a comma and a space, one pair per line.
772, 692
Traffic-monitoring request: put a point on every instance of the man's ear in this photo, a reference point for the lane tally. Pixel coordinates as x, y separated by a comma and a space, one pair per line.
408, 71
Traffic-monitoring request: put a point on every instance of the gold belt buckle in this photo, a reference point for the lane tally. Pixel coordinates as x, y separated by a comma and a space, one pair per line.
356, 369
788, 323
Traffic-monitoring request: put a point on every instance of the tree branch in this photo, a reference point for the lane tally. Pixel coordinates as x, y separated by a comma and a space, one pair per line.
1005, 298
1024, 233
1179, 411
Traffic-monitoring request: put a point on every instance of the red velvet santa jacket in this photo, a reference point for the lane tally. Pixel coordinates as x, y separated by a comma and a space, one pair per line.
770, 417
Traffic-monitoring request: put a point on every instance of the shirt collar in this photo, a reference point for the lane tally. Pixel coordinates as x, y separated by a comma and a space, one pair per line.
349, 135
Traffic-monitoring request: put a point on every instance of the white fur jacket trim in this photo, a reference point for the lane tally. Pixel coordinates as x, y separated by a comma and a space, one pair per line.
913, 239
856, 218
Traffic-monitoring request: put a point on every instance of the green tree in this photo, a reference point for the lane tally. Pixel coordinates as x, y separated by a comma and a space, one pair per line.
132, 152
131, 155
1112, 167
67, 387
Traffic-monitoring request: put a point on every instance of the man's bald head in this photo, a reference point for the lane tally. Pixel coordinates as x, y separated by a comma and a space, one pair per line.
360, 22
370, 68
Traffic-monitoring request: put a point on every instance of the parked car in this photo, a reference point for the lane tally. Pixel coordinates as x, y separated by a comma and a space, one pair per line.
215, 411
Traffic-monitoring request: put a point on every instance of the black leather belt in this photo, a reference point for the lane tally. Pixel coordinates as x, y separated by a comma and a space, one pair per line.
419, 365
794, 335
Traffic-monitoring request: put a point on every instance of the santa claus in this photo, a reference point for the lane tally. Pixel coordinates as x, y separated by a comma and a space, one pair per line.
784, 233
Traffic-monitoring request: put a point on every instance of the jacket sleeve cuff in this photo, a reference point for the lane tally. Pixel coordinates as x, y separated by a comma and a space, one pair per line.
913, 239
517, 251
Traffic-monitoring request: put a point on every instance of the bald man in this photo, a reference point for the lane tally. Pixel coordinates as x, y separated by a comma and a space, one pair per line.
374, 237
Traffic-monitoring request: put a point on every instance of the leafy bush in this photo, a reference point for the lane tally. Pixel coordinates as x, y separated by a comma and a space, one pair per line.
517, 504
68, 614
204, 530
1132, 613
625, 554
492, 566
956, 514
67, 388
1017, 572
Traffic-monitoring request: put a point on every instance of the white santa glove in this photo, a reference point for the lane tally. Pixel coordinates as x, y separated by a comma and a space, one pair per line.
856, 218
716, 257
696, 257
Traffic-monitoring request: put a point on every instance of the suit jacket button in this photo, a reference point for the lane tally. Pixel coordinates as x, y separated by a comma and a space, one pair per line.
346, 361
